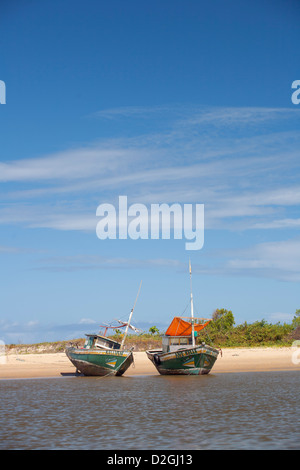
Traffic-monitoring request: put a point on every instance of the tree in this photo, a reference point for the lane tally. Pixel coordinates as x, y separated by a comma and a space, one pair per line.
154, 330
296, 319
223, 319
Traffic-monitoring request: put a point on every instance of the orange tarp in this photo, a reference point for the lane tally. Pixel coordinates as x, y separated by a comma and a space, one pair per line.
180, 327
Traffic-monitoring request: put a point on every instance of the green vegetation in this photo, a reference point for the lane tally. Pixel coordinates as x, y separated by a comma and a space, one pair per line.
154, 330
296, 319
143, 341
220, 332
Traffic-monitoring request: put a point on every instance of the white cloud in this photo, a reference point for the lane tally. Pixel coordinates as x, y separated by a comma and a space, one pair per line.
273, 260
278, 260
83, 262
9, 249
87, 321
275, 224
246, 179
68, 165
36, 332
216, 116
281, 317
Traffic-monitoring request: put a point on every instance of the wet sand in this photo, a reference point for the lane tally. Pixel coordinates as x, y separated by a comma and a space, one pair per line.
14, 366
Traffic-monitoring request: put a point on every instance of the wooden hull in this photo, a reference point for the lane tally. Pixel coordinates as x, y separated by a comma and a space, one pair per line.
94, 362
190, 361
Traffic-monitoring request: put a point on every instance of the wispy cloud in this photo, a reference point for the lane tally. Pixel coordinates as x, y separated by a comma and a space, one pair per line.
242, 163
28, 332
88, 262
282, 317
277, 260
189, 114
9, 249
277, 224
36, 332
274, 260
135, 111
68, 165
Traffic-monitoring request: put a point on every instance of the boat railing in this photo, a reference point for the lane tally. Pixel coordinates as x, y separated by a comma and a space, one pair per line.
196, 319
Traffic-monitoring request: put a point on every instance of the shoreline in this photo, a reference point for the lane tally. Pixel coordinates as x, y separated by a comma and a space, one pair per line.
233, 360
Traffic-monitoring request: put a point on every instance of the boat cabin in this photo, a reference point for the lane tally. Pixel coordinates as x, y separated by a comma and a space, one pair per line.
100, 342
179, 334
174, 343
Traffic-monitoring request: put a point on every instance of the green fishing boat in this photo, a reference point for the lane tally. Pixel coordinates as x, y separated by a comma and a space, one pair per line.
179, 354
100, 355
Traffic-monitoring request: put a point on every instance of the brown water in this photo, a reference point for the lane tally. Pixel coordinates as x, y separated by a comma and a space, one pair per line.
222, 411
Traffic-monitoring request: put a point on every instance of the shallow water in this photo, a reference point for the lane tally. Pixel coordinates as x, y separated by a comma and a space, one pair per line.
223, 411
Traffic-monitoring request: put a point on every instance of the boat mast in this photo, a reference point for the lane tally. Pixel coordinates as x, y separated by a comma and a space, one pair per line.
129, 319
192, 307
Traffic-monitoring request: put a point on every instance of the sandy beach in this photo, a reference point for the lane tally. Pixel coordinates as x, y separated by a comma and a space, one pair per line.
13, 366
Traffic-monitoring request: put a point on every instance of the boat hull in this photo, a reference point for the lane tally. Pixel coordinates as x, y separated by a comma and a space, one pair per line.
191, 361
93, 362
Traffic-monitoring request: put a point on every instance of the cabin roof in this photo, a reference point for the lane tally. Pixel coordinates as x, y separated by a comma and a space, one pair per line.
105, 338
180, 327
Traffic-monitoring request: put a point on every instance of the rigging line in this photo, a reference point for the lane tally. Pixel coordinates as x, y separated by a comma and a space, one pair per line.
185, 308
137, 295
181, 315
125, 315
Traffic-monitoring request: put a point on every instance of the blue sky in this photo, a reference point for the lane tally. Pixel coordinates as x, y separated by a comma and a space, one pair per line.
165, 102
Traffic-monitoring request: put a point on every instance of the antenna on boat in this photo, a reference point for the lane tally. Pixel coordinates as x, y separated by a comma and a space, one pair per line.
130, 316
192, 306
